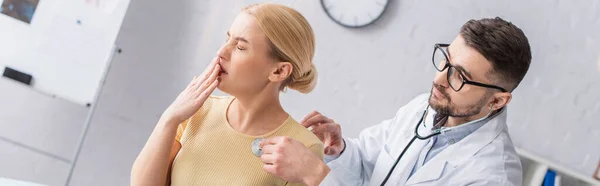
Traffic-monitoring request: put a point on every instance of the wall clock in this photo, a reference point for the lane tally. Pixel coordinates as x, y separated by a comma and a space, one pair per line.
354, 13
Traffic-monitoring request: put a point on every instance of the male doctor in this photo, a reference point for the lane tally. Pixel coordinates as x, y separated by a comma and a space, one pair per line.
456, 135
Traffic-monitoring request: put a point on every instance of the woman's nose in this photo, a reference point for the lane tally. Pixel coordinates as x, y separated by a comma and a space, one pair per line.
223, 52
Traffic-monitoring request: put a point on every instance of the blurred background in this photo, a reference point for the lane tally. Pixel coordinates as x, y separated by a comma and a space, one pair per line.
115, 65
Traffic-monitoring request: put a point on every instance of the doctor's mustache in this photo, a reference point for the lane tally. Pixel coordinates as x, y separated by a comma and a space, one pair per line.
441, 89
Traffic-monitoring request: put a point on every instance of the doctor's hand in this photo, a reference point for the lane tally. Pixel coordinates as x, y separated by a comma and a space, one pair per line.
290, 160
191, 99
327, 130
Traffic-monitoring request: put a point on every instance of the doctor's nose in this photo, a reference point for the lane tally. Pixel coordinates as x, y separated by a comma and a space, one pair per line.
441, 78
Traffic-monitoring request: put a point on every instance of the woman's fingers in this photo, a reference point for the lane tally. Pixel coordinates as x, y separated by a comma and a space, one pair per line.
213, 76
204, 95
209, 81
208, 71
191, 84
204, 81
199, 79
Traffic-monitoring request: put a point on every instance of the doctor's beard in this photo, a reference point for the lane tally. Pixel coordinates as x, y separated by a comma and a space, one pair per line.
451, 109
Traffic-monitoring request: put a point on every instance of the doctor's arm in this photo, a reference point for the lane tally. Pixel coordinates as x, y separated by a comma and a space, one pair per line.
290, 160
351, 160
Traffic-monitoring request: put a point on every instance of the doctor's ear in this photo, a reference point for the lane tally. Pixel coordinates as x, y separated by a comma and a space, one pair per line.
501, 99
280, 71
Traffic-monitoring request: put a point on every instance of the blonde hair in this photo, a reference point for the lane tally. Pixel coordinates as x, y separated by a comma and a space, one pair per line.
292, 40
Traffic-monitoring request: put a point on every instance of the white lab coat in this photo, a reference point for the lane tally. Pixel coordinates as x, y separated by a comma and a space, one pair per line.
485, 157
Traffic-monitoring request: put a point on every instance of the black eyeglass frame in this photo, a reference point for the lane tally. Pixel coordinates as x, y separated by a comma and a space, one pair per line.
438, 46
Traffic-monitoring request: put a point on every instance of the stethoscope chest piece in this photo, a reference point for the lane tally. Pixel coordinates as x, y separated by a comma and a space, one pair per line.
256, 150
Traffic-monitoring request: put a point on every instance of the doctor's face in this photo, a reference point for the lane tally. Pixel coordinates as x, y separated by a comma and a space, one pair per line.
468, 63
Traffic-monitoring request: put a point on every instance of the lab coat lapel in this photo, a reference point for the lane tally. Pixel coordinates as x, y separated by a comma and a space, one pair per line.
456, 154
407, 163
432, 170
471, 144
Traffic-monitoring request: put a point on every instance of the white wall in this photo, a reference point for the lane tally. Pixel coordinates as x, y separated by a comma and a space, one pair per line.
38, 134
40, 125
65, 48
365, 74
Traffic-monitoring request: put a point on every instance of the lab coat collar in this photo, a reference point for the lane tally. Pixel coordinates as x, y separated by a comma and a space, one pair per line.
460, 152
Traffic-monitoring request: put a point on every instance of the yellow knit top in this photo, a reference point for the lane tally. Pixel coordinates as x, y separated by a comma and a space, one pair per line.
213, 153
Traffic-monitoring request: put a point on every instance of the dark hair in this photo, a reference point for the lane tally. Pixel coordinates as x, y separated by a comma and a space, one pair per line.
504, 45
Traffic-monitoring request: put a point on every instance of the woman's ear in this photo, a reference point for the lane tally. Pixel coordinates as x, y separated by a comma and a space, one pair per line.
281, 71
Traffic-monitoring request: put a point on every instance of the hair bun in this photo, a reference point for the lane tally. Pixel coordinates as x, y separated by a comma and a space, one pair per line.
305, 83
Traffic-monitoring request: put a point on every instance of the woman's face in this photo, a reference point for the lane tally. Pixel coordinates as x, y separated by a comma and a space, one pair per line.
246, 58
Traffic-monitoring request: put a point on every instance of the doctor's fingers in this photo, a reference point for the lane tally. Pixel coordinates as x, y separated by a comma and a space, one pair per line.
310, 115
315, 120
272, 149
281, 140
273, 169
268, 159
332, 128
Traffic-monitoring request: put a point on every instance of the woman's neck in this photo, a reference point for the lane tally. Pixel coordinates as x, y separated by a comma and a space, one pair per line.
257, 114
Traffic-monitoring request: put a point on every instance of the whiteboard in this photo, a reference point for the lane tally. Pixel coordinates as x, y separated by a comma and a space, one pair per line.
66, 47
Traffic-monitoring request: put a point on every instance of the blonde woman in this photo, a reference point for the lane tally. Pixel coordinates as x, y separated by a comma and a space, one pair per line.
206, 140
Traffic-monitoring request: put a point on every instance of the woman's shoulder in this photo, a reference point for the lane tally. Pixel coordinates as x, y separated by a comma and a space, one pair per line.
301, 134
306, 137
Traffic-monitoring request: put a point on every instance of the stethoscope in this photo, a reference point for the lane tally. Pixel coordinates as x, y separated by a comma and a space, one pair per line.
434, 133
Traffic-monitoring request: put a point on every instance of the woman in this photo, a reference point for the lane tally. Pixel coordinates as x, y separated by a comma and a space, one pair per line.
206, 140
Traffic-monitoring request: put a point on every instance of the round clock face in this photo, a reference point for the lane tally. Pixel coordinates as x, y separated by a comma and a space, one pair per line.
354, 13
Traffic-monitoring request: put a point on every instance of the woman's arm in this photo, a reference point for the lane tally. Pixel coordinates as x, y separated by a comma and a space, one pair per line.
152, 165
174, 150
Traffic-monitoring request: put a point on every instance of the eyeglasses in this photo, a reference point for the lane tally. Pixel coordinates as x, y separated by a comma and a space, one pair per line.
455, 77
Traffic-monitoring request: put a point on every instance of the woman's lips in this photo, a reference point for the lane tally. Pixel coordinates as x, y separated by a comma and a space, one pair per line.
223, 71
